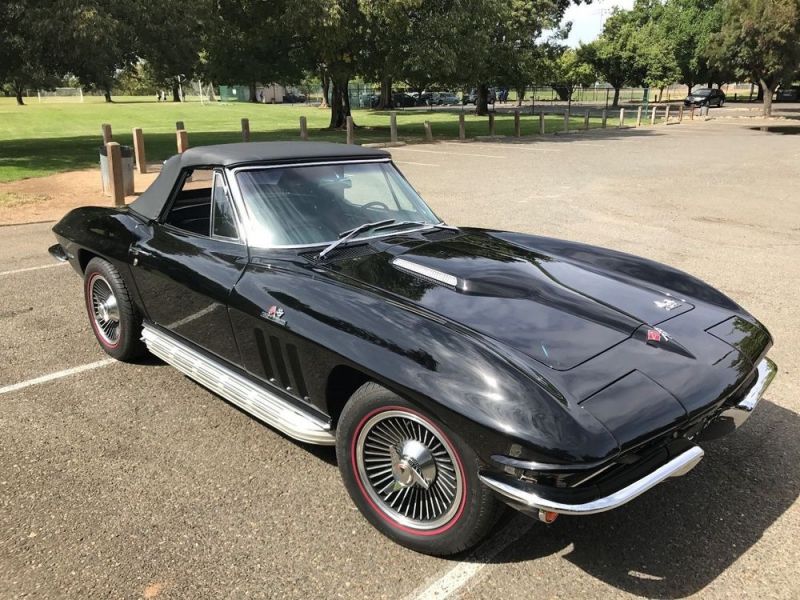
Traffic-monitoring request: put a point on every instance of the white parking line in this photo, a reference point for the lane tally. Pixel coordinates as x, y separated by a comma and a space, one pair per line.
57, 375
454, 579
419, 164
26, 269
448, 153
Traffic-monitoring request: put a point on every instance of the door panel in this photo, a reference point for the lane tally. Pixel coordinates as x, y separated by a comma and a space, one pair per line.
185, 281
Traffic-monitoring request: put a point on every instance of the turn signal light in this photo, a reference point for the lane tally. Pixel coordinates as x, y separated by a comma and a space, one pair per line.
547, 516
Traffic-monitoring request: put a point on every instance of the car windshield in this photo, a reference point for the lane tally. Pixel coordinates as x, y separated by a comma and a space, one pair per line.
701, 92
298, 206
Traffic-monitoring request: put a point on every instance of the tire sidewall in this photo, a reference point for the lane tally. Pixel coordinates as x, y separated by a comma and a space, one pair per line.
453, 536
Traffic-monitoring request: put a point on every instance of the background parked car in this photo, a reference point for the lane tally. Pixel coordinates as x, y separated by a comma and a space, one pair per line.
403, 100
472, 97
292, 98
705, 97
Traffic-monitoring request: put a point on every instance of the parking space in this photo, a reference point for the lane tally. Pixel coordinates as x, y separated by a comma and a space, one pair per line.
130, 480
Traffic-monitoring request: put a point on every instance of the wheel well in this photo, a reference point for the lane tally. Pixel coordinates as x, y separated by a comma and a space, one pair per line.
342, 382
84, 256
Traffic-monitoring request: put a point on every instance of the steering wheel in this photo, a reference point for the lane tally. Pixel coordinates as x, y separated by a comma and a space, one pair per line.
375, 204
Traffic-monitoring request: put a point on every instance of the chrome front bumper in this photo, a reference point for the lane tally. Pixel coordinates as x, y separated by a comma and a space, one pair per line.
728, 420
680, 465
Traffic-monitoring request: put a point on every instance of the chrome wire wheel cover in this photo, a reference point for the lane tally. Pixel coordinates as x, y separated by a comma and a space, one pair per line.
409, 470
105, 311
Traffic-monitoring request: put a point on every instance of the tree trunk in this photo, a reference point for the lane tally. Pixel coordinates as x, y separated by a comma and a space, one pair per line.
326, 88
482, 102
176, 93
760, 94
520, 95
616, 97
340, 103
385, 100
767, 91
107, 94
253, 98
689, 85
18, 94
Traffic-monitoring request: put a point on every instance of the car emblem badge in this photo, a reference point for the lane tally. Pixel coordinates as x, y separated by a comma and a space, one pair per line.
667, 304
275, 313
653, 336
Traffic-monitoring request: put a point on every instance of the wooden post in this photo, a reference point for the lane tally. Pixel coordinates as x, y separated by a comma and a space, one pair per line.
428, 132
245, 130
491, 124
653, 115
541, 122
566, 121
621, 123
115, 173
106, 129
303, 129
393, 127
462, 131
179, 125
350, 135
183, 140
680, 114
138, 150
586, 120
517, 125
691, 113
666, 115
639, 117
605, 118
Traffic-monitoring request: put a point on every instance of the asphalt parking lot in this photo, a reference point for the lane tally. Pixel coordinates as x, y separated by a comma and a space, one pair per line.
128, 481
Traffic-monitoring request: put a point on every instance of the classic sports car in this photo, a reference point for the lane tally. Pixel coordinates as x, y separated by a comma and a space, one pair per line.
310, 285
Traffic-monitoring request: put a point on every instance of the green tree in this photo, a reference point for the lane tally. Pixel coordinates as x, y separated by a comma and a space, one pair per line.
566, 70
759, 39
690, 26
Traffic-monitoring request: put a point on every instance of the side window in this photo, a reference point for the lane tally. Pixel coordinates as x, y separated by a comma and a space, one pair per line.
191, 208
223, 222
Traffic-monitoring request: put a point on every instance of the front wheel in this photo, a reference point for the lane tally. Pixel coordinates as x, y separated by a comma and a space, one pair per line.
412, 478
112, 314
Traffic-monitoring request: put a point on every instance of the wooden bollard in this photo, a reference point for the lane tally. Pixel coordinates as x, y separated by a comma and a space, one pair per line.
691, 114
605, 118
621, 123
491, 124
393, 127
303, 128
138, 150
428, 133
541, 122
462, 130
566, 121
115, 173
517, 125
680, 113
653, 115
639, 117
183, 140
179, 125
586, 120
245, 130
666, 115
350, 134
106, 129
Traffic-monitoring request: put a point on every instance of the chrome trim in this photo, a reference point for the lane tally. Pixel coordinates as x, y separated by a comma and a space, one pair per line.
680, 465
766, 371
57, 251
239, 390
440, 276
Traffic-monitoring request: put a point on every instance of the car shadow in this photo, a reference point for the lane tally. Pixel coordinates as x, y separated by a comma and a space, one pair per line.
680, 536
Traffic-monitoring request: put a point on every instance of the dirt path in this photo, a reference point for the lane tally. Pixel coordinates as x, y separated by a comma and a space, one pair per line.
49, 198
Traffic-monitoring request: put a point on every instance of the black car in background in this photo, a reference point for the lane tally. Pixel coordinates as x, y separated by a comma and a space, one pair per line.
705, 97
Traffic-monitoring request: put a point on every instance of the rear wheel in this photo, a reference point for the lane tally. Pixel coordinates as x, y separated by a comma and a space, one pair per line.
112, 314
411, 477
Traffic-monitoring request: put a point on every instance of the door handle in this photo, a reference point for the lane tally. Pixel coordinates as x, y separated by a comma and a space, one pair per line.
136, 252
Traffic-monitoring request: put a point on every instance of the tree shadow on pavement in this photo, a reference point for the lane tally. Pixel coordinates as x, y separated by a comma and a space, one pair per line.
680, 536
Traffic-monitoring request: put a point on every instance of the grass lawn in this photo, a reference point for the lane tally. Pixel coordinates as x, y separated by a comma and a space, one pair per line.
41, 139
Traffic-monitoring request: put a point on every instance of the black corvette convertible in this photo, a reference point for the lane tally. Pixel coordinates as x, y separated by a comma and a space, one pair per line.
310, 285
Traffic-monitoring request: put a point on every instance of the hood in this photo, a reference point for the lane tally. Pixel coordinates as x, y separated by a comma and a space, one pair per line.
556, 311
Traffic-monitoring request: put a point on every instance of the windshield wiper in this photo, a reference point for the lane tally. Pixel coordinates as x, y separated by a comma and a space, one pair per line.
415, 224
346, 236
